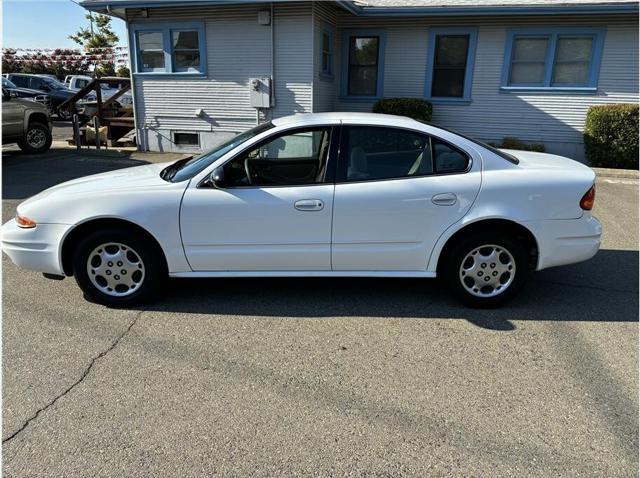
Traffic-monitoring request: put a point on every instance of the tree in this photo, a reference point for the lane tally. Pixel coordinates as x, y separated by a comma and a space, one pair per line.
99, 36
123, 72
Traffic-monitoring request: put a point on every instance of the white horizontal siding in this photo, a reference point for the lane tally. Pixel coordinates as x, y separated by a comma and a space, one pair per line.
324, 88
492, 114
237, 49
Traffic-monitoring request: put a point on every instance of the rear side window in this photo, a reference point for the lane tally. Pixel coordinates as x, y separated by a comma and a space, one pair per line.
447, 158
370, 153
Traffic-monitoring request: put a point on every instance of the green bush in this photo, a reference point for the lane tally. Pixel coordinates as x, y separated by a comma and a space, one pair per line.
515, 143
611, 136
415, 108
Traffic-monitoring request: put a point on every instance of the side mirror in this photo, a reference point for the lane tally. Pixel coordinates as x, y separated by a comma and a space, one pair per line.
6, 96
217, 177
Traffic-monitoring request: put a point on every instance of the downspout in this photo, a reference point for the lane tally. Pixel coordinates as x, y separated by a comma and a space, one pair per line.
273, 61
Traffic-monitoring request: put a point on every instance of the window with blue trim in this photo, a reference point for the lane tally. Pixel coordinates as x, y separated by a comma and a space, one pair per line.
363, 64
326, 59
450, 63
176, 48
553, 58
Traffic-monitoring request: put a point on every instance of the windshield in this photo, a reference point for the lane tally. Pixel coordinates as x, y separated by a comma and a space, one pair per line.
190, 168
7, 84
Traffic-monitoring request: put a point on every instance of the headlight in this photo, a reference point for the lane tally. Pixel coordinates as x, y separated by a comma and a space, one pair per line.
24, 222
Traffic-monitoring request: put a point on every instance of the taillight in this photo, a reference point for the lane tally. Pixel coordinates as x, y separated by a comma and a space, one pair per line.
25, 222
588, 199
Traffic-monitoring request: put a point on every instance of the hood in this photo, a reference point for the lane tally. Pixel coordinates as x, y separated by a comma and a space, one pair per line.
53, 204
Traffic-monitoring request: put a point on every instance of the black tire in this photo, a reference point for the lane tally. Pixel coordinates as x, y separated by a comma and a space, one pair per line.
451, 269
153, 277
36, 130
64, 114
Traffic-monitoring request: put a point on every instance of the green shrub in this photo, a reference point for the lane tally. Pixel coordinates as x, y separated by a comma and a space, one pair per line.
515, 143
611, 136
415, 108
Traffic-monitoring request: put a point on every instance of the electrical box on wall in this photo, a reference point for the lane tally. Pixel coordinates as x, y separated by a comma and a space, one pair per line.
260, 91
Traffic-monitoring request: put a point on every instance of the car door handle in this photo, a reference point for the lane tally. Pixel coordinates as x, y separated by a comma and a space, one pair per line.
444, 199
309, 205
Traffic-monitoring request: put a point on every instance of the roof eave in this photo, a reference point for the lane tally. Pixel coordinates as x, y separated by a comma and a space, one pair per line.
108, 6
582, 9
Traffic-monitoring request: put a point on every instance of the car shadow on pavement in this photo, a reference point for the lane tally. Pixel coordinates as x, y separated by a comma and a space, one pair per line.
24, 175
604, 289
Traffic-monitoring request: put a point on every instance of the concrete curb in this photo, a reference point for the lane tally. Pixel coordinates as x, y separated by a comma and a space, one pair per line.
616, 173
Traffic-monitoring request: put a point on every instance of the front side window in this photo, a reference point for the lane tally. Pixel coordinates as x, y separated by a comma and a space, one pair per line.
21, 81
151, 51
450, 64
292, 158
176, 48
553, 58
371, 153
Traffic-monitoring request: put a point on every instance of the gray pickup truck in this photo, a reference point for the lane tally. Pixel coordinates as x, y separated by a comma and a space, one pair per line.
25, 122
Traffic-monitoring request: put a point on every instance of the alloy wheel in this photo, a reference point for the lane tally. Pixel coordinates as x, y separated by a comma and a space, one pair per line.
487, 271
115, 269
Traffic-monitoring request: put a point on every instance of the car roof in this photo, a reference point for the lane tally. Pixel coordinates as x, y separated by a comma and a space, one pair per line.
346, 117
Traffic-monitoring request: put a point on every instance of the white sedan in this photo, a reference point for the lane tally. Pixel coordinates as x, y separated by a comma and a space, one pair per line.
331, 195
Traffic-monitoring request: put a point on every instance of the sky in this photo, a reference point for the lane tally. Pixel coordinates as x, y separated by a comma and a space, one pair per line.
46, 24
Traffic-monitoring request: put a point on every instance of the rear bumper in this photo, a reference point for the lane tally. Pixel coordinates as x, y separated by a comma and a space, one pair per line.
36, 249
562, 242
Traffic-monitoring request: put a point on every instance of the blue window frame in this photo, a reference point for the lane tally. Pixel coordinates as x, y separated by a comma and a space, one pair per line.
326, 52
548, 59
450, 60
169, 48
362, 73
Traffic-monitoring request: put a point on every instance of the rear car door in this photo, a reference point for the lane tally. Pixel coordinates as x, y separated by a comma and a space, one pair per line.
397, 191
273, 210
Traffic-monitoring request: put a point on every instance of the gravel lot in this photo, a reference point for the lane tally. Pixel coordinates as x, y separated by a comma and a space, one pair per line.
322, 376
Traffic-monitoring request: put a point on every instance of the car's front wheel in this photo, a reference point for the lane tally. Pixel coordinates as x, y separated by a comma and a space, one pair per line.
37, 139
116, 267
486, 270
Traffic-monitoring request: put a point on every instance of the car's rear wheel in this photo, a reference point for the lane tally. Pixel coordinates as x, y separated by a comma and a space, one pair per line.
37, 139
115, 267
485, 269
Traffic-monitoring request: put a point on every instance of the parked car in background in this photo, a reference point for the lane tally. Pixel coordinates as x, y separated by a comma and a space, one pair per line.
27, 93
57, 92
329, 194
25, 122
77, 82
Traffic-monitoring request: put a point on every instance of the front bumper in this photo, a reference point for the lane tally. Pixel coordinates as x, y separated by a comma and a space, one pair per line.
562, 242
36, 249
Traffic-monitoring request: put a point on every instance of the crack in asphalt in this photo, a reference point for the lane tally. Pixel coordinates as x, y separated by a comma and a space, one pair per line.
84, 375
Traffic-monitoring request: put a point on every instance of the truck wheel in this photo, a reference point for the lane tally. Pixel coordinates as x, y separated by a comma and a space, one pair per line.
64, 114
37, 139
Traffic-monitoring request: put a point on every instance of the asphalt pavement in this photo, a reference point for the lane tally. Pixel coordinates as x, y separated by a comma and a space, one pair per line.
324, 377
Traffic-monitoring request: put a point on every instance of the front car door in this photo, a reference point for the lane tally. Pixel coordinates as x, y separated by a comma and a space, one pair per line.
273, 210
397, 191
